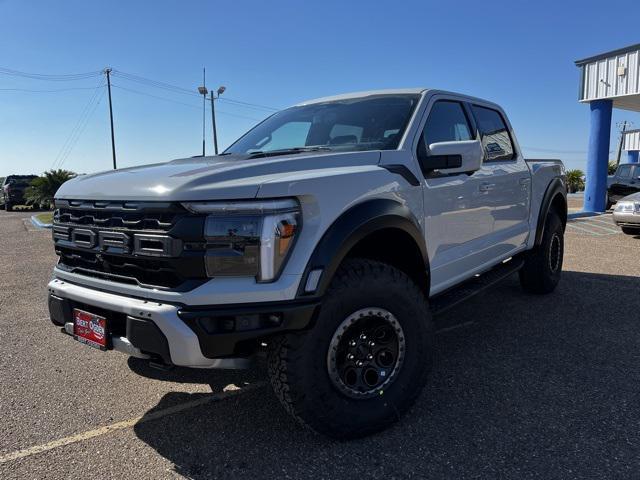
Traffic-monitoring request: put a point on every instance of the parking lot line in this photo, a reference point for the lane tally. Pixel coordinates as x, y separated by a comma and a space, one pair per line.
574, 227
27, 452
607, 228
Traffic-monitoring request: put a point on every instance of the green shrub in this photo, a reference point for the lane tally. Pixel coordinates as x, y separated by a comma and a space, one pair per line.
42, 189
575, 180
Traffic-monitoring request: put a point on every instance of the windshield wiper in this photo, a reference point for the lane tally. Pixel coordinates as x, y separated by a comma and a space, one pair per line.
287, 151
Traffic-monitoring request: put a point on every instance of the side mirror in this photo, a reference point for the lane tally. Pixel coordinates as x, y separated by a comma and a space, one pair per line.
452, 157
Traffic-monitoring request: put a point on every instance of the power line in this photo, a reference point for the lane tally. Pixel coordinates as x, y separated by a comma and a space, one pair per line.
45, 91
181, 103
83, 128
154, 96
248, 105
183, 91
154, 83
124, 75
79, 127
50, 77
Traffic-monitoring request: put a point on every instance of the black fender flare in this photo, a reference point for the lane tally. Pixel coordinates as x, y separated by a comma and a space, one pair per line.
555, 188
352, 226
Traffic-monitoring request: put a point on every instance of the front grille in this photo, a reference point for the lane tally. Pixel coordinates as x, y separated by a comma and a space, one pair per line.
119, 215
150, 244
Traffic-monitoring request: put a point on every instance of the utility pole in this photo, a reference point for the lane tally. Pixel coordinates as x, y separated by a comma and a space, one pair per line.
621, 141
107, 72
213, 118
203, 91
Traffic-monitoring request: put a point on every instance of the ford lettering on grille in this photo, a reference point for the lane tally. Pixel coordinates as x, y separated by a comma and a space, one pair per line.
127, 243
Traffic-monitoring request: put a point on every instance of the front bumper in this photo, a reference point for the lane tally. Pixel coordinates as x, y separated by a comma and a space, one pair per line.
627, 219
198, 337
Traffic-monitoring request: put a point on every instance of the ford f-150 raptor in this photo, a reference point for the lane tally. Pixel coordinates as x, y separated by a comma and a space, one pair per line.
329, 234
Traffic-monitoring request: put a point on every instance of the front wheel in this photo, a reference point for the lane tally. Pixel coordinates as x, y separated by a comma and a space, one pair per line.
543, 266
366, 359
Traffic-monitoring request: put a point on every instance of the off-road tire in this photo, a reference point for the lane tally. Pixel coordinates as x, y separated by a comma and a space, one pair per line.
297, 362
630, 230
543, 266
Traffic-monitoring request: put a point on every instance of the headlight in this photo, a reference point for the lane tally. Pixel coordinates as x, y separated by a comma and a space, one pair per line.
248, 238
627, 207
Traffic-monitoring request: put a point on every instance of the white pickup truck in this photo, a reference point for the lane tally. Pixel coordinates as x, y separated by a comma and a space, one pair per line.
330, 234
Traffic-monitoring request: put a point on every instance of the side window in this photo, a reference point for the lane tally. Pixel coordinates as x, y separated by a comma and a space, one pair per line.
494, 134
447, 122
624, 172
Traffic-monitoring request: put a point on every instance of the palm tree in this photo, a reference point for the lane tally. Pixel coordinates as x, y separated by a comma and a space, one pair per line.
575, 180
612, 167
42, 189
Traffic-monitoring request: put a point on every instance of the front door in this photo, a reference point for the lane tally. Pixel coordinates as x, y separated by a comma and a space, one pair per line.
458, 217
621, 183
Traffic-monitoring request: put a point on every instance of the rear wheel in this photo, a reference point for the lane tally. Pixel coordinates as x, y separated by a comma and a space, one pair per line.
630, 230
543, 267
366, 359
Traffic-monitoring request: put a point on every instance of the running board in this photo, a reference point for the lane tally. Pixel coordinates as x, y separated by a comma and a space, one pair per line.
456, 295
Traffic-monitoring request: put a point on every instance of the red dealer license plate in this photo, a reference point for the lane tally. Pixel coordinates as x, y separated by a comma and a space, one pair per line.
90, 329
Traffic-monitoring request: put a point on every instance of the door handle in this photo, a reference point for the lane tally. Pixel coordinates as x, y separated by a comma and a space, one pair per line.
486, 187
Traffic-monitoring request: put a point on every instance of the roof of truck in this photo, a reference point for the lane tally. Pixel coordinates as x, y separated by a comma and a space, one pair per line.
398, 91
368, 93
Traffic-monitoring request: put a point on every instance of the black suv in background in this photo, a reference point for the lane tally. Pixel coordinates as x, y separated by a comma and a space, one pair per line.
12, 190
624, 182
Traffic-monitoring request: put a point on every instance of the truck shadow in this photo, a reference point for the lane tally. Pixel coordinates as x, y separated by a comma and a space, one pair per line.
527, 386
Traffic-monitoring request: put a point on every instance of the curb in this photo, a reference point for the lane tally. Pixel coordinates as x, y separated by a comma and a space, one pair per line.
581, 214
39, 224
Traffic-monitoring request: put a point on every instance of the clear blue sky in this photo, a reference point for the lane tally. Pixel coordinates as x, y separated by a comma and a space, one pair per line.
517, 53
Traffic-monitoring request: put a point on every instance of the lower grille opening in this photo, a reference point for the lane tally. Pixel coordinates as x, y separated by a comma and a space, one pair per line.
131, 270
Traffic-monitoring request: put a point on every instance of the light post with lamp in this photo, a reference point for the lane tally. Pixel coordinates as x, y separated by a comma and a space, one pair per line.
219, 92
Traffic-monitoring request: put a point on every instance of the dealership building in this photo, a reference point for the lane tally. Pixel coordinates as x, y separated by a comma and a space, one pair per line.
607, 81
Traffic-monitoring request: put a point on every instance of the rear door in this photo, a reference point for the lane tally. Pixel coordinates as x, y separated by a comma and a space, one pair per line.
508, 190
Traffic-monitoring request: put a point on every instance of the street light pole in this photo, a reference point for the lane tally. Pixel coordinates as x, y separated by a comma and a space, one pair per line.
203, 91
213, 125
213, 118
107, 72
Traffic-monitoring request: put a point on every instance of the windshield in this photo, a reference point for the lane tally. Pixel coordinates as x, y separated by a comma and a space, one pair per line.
375, 122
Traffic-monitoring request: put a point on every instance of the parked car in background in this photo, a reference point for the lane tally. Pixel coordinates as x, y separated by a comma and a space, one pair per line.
12, 190
627, 214
624, 182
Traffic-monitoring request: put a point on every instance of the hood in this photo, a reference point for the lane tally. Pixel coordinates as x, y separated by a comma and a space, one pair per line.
634, 197
203, 178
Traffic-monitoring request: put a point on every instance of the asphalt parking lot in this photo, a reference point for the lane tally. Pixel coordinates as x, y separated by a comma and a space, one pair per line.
523, 387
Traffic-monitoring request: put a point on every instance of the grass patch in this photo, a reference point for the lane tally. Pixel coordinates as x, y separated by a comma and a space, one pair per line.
46, 217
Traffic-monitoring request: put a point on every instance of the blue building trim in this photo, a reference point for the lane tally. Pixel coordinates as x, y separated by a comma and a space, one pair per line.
632, 156
598, 156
